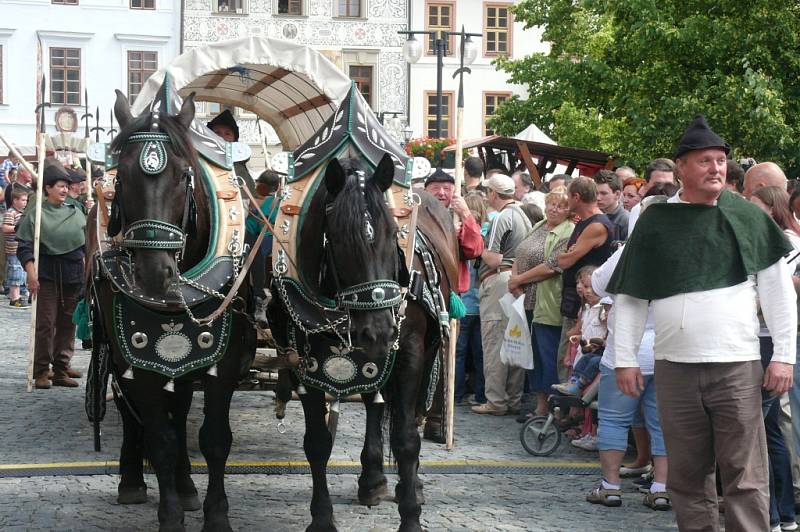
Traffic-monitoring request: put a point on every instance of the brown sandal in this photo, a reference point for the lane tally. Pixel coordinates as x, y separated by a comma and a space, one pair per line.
657, 501
605, 497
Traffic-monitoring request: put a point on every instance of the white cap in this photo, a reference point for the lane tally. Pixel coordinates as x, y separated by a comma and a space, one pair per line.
502, 184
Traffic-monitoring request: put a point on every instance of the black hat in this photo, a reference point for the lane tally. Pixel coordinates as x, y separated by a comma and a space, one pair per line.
225, 118
439, 176
76, 175
54, 171
699, 136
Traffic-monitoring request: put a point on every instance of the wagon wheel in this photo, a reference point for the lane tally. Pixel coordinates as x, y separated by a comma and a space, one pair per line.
540, 436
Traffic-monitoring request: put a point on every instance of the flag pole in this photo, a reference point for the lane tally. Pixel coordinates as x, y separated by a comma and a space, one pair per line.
37, 228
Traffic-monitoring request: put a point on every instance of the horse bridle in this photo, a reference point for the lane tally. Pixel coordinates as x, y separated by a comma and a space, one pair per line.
149, 233
379, 294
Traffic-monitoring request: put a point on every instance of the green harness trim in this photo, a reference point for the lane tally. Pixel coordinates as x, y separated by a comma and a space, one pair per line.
213, 237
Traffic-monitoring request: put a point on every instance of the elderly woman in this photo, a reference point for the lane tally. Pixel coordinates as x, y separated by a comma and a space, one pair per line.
541, 284
60, 277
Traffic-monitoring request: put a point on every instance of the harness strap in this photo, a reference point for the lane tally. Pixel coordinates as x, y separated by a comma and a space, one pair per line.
245, 267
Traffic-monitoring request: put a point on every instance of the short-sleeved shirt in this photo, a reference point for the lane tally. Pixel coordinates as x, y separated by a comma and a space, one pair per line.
506, 231
12, 218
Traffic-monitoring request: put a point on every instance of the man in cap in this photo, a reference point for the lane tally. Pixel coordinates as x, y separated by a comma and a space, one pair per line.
441, 185
59, 281
224, 125
503, 383
705, 259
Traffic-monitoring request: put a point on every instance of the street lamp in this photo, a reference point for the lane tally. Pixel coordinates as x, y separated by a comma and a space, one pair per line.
412, 51
407, 134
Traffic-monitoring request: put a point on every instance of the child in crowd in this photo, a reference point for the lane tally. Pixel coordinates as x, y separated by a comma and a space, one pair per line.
15, 274
593, 332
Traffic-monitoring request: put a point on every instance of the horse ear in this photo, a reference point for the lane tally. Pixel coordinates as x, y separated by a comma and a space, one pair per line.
334, 177
384, 174
186, 115
122, 110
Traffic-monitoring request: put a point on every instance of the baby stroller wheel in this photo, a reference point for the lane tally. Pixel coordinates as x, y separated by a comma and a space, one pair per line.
540, 435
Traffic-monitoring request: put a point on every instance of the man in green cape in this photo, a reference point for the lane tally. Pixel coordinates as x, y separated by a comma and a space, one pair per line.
705, 260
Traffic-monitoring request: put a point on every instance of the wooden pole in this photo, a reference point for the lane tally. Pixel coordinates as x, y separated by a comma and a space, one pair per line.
37, 225
450, 366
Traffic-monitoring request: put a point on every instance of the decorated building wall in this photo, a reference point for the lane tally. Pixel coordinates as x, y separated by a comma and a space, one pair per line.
359, 36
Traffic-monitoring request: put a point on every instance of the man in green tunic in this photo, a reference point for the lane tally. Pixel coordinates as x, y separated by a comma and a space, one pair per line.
705, 260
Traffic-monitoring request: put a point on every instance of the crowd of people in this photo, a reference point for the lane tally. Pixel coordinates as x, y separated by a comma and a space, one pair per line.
672, 297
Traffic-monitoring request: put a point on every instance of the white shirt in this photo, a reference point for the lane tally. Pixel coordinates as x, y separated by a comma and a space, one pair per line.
600, 278
633, 215
719, 325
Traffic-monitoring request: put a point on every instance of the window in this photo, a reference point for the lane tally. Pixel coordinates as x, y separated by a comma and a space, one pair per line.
349, 8
65, 76
429, 120
230, 6
498, 22
212, 109
491, 101
66, 2
362, 76
143, 4
290, 7
140, 66
440, 17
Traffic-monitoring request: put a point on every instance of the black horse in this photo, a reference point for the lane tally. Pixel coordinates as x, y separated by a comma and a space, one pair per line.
339, 252
154, 418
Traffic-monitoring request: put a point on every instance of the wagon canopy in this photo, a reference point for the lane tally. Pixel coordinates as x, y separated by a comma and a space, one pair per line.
292, 87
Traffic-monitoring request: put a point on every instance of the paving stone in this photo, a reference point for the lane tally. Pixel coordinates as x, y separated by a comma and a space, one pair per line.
49, 426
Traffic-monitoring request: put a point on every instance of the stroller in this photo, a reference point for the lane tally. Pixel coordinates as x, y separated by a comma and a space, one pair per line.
540, 435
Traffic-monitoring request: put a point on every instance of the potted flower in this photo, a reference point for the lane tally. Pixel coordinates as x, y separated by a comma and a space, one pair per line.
431, 149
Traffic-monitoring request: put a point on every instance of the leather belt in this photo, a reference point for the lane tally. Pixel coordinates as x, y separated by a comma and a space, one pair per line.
493, 272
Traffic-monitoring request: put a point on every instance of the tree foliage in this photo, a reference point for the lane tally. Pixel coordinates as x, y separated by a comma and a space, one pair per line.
627, 76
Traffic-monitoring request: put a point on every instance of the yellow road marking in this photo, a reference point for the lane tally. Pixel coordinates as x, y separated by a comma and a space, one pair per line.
333, 463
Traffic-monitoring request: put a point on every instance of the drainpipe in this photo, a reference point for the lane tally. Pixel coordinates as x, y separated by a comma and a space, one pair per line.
408, 72
182, 15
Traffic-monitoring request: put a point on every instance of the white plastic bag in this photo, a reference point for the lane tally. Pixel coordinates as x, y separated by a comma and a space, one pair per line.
516, 349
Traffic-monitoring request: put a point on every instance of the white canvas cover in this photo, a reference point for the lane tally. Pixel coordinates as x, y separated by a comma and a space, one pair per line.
533, 133
292, 87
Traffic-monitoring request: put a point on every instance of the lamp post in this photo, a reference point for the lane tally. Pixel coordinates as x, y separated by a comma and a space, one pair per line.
412, 51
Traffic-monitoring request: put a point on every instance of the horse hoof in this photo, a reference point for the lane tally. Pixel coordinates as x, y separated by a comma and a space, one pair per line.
373, 496
173, 527
217, 525
132, 495
190, 501
322, 527
415, 527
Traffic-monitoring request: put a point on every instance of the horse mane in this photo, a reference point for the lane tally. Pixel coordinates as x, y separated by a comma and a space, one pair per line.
348, 211
181, 143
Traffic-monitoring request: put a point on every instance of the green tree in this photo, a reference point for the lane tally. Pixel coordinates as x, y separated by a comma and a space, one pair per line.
627, 76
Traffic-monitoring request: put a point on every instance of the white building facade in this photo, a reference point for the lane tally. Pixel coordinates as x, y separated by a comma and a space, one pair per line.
486, 87
81, 46
359, 36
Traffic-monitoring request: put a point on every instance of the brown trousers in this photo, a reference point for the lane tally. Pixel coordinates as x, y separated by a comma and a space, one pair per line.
712, 413
55, 332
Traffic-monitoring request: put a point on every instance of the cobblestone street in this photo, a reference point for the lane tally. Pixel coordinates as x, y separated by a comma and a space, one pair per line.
49, 427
